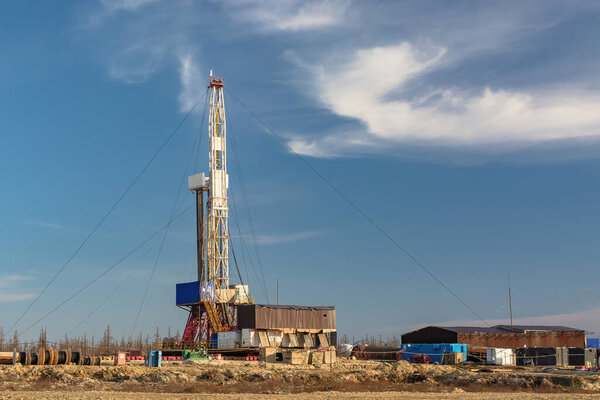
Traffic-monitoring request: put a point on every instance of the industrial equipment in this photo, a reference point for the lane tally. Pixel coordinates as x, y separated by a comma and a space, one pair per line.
222, 316
210, 299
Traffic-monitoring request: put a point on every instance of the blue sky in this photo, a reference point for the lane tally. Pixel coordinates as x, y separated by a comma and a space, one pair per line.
467, 130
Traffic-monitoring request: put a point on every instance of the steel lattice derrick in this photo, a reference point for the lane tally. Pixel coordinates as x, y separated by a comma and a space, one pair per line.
217, 205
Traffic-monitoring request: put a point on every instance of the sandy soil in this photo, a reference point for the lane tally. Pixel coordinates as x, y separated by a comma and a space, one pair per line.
257, 380
301, 396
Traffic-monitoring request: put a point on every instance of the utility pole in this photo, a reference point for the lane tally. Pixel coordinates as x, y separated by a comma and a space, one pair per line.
277, 291
512, 331
200, 233
510, 304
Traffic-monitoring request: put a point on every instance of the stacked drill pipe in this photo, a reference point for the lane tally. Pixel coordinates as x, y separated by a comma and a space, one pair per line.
6, 358
50, 356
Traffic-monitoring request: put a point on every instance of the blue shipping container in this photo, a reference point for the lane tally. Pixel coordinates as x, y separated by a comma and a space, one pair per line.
435, 351
192, 293
594, 343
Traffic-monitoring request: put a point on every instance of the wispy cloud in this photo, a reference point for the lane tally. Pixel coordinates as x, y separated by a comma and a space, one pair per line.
108, 8
140, 38
128, 5
370, 87
11, 288
291, 15
137, 62
7, 281
192, 81
44, 224
143, 37
288, 238
11, 298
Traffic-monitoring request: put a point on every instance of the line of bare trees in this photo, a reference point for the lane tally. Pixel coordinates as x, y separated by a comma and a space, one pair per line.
380, 341
107, 344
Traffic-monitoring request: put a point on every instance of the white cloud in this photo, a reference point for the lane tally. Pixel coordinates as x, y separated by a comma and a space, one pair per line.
127, 5
371, 88
290, 15
141, 41
193, 82
110, 7
137, 62
11, 298
44, 224
7, 281
9, 284
136, 39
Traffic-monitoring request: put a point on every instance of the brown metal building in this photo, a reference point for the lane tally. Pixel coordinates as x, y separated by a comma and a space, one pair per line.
298, 318
500, 336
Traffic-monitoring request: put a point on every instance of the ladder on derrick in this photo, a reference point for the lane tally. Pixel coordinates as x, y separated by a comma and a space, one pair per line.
213, 316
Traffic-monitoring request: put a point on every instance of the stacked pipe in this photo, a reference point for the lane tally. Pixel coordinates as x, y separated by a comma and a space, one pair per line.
48, 356
6, 358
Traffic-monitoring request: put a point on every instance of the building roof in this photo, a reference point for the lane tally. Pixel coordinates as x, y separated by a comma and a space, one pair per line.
292, 307
507, 328
538, 328
468, 329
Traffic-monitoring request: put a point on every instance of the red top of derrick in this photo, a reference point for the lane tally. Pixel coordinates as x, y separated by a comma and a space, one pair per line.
216, 82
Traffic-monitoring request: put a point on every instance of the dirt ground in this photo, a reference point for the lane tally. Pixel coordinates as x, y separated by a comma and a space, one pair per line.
301, 396
258, 380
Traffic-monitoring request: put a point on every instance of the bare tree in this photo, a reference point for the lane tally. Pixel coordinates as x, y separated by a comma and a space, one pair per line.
106, 340
2, 338
42, 340
15, 340
157, 339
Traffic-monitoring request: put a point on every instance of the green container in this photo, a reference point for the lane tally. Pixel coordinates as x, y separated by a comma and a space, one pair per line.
199, 354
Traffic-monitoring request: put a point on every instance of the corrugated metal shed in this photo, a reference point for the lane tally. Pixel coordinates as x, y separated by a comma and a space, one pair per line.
267, 316
499, 336
431, 334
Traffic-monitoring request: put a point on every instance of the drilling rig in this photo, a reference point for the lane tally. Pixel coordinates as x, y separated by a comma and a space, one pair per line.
210, 300
223, 317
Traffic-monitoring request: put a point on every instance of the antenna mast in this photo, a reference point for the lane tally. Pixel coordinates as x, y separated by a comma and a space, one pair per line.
510, 303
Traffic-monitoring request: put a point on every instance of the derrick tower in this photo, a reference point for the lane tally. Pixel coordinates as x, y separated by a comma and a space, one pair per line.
211, 299
217, 227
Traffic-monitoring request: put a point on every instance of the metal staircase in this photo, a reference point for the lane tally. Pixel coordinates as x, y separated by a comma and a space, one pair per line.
213, 316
